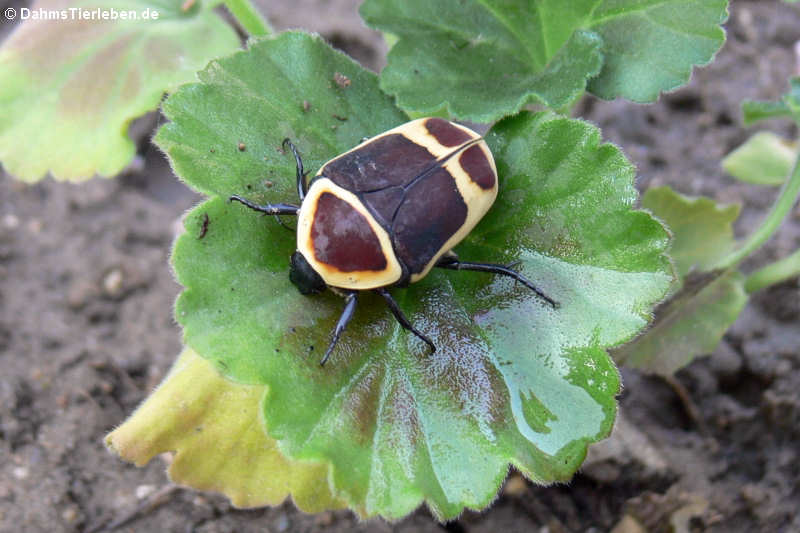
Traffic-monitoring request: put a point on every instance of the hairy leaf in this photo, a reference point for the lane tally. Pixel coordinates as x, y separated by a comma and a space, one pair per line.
702, 231
764, 159
788, 106
213, 425
512, 380
650, 46
485, 59
72, 87
690, 324
706, 302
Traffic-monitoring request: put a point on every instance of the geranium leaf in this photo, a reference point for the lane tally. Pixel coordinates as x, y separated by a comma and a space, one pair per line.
764, 159
213, 425
705, 302
512, 380
650, 46
788, 106
485, 59
690, 324
702, 230
71, 87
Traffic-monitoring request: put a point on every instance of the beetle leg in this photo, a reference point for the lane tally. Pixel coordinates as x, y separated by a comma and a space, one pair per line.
283, 224
270, 209
454, 264
347, 315
301, 177
401, 318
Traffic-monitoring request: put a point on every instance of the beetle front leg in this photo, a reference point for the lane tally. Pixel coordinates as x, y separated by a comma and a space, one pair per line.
401, 318
302, 188
347, 315
453, 263
269, 209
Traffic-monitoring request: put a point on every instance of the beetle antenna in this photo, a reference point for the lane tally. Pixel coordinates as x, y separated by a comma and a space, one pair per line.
347, 315
401, 318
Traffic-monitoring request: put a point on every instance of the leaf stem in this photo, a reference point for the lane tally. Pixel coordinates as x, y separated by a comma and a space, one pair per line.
249, 17
780, 209
776, 272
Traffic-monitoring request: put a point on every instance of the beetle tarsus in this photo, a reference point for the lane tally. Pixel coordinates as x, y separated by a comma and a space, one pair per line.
302, 189
401, 318
347, 315
269, 209
283, 224
453, 263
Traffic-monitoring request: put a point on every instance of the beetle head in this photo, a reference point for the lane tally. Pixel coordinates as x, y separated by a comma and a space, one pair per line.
303, 276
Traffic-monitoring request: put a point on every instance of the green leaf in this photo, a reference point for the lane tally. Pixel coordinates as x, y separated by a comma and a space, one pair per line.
650, 46
705, 303
512, 380
702, 231
764, 159
485, 59
691, 323
789, 106
754, 111
213, 427
70, 88
773, 273
792, 98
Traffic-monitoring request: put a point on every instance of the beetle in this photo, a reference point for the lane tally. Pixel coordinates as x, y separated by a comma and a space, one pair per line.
386, 212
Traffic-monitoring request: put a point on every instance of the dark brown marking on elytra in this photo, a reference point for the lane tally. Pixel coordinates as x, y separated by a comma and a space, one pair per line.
343, 238
427, 218
383, 204
446, 133
474, 162
389, 161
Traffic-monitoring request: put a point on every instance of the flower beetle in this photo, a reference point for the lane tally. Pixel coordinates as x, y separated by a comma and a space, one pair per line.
388, 211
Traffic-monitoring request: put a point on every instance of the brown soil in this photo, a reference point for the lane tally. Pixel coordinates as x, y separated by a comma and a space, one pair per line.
86, 330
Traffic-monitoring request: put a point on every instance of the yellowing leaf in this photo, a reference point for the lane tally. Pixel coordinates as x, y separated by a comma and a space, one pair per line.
214, 427
71, 86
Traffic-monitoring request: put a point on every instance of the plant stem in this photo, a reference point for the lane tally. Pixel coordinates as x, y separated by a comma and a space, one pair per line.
249, 17
781, 270
780, 209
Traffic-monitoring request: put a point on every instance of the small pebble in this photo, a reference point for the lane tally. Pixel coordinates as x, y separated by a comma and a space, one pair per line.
282, 524
515, 486
112, 282
70, 515
10, 221
143, 491
20, 472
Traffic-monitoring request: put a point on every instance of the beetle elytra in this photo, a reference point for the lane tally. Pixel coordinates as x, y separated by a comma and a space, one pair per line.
388, 211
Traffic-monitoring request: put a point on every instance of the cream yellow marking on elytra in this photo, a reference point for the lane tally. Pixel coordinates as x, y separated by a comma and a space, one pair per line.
478, 201
356, 280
